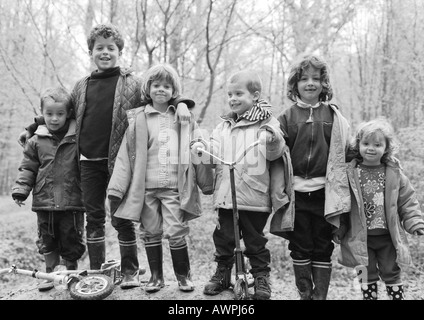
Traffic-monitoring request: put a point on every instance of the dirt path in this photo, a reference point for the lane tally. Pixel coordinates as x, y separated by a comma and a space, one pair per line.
18, 231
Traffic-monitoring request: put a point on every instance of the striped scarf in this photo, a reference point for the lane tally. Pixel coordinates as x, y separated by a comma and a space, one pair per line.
261, 110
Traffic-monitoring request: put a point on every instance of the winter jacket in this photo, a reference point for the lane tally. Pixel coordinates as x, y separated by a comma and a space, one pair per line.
402, 214
127, 96
50, 169
337, 196
128, 178
256, 189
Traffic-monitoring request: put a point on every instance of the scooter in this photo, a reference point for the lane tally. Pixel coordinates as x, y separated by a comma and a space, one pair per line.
82, 284
243, 279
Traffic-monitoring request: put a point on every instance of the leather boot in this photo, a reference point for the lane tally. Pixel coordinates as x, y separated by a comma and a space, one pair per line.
395, 291
181, 264
96, 252
129, 264
155, 257
369, 291
303, 278
220, 281
321, 275
52, 259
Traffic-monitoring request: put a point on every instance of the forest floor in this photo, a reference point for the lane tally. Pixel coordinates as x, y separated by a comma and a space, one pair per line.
17, 246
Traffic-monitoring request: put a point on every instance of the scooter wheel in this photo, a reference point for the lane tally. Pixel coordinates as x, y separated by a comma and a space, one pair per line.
239, 289
92, 287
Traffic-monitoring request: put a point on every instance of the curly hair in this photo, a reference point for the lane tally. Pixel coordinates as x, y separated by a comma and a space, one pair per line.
105, 31
369, 129
161, 71
57, 94
299, 67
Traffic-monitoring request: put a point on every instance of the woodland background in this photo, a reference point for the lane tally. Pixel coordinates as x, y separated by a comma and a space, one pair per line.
374, 49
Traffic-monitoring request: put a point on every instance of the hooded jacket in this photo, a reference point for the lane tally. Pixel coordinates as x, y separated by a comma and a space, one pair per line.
50, 169
403, 215
128, 178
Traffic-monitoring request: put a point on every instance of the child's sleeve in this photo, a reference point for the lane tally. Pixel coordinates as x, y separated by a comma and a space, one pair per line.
275, 147
28, 171
121, 175
408, 206
190, 103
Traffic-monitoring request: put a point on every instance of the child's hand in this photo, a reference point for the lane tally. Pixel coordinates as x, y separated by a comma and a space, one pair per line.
182, 115
196, 148
19, 202
23, 138
265, 137
419, 232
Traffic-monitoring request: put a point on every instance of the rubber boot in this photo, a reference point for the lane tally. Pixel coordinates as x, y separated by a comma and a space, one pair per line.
96, 252
369, 291
129, 264
321, 275
52, 259
71, 265
181, 264
220, 281
303, 278
155, 257
395, 291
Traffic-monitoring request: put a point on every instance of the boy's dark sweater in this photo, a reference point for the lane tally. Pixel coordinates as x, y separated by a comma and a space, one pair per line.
97, 120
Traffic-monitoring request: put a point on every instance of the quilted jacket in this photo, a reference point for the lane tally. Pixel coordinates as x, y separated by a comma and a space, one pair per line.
50, 169
127, 96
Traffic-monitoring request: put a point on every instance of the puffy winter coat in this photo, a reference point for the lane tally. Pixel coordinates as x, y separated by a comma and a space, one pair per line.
252, 174
50, 169
402, 213
128, 179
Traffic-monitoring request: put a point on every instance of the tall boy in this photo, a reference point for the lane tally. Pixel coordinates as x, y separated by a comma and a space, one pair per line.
248, 121
100, 103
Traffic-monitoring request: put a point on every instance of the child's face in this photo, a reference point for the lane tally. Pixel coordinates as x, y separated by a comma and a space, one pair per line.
372, 148
161, 92
105, 53
240, 99
55, 114
309, 85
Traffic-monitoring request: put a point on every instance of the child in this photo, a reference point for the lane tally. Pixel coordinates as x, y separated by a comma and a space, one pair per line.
50, 169
100, 101
152, 183
256, 189
317, 136
384, 206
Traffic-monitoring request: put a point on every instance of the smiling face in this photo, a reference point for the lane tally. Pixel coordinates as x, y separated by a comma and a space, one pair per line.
105, 53
372, 148
161, 92
310, 86
240, 99
55, 114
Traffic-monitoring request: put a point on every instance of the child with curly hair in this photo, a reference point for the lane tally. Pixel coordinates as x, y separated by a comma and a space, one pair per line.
384, 208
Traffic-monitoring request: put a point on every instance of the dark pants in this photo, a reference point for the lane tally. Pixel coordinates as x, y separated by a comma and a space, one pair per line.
251, 225
382, 260
94, 181
62, 231
312, 235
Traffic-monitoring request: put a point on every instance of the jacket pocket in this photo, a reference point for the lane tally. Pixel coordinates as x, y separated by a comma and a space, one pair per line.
254, 183
39, 186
